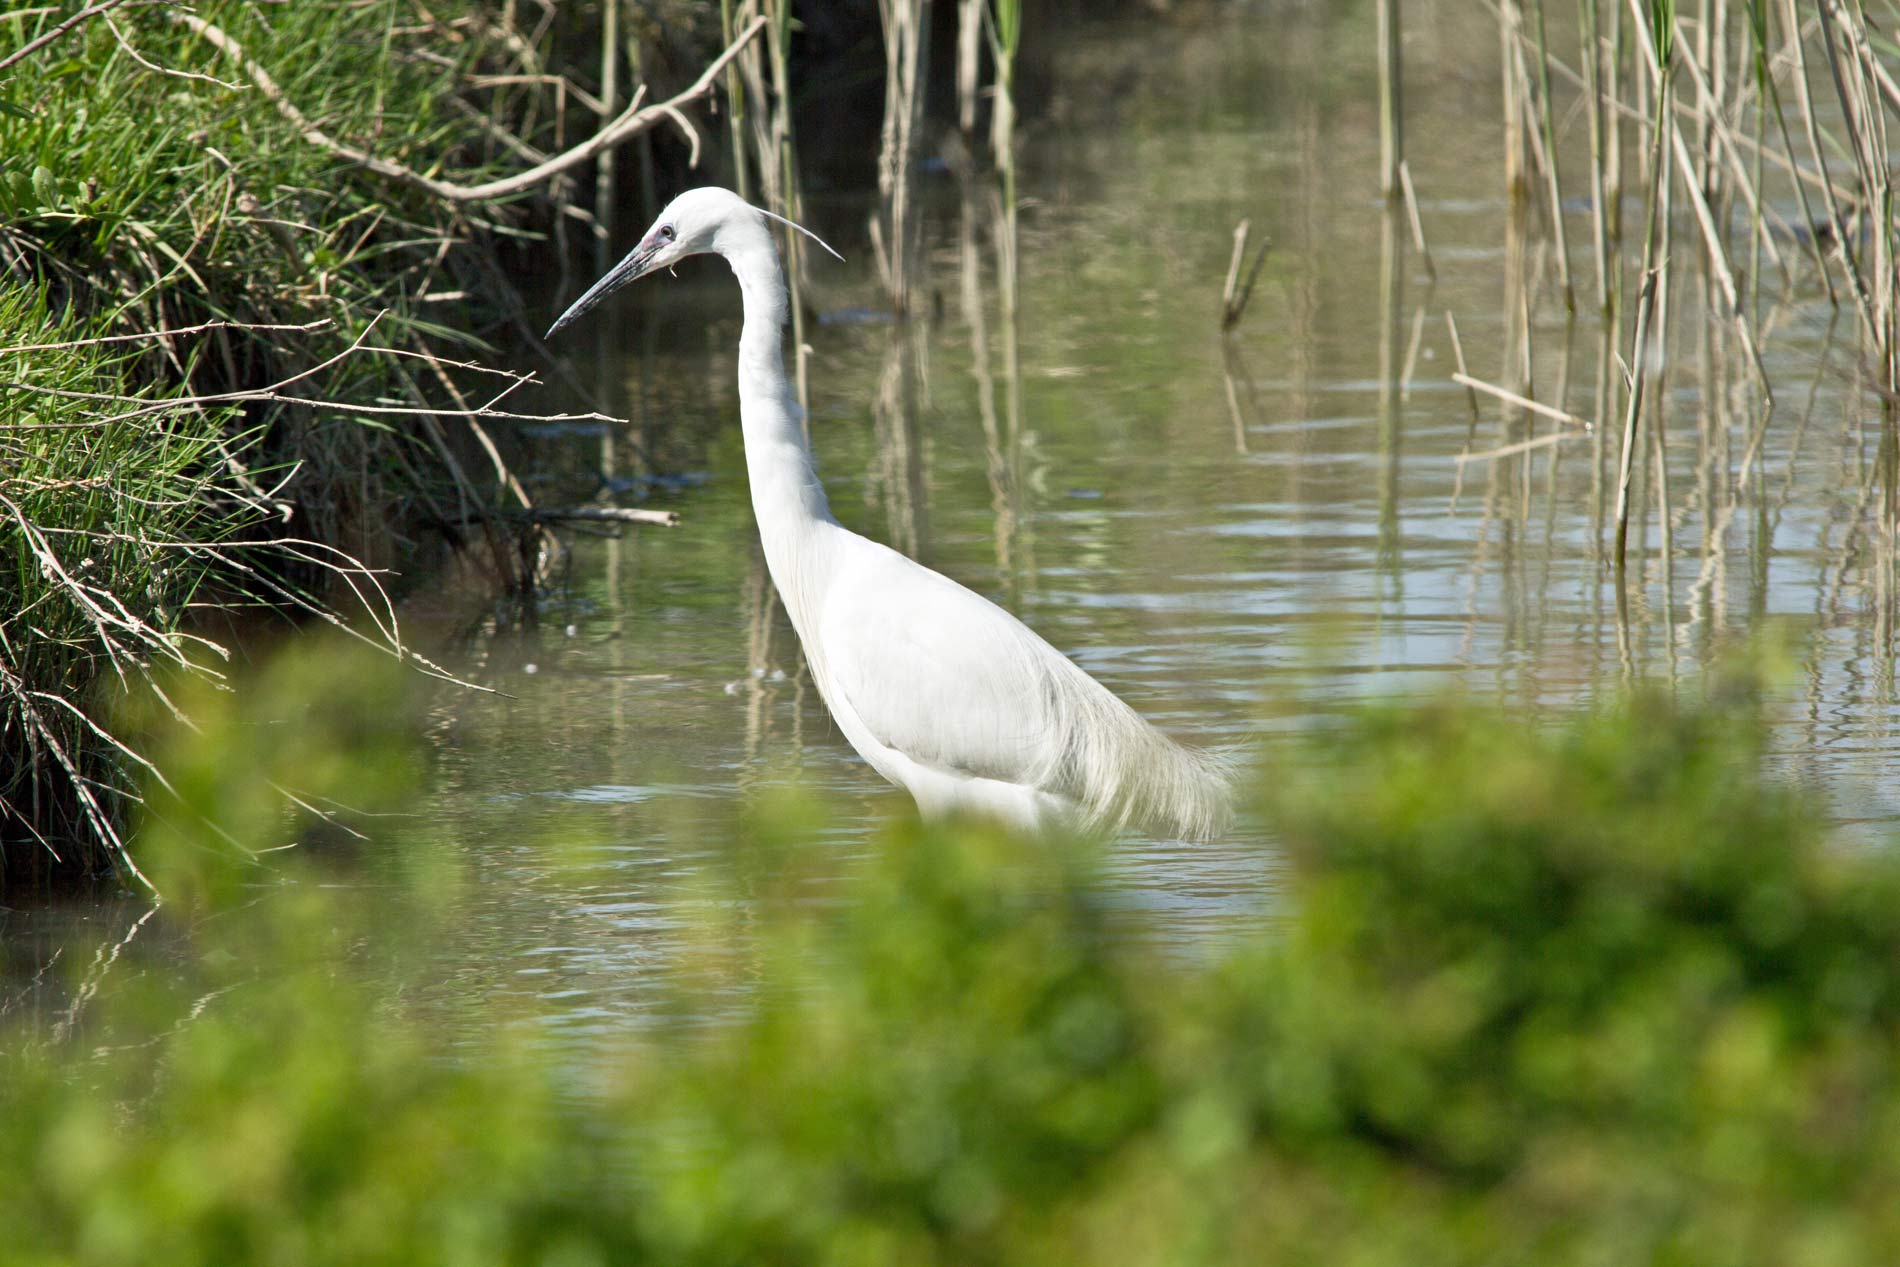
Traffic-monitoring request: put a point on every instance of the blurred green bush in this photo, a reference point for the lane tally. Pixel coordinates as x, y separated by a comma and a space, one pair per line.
1595, 994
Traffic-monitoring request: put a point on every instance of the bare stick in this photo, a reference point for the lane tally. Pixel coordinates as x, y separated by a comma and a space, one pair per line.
631, 122
596, 514
1458, 354
1522, 402
33, 46
320, 324
1231, 286
1236, 292
1418, 225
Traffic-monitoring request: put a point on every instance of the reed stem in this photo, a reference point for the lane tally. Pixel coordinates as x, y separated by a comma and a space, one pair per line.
1661, 34
735, 110
1391, 103
1554, 183
1591, 22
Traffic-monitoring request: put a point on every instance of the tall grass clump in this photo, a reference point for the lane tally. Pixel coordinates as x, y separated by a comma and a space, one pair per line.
147, 182
111, 525
1603, 993
292, 221
151, 197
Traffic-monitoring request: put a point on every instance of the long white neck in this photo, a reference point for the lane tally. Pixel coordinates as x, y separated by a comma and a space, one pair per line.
787, 498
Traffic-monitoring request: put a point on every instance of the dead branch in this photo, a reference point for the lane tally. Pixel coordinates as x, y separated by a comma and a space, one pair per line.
631, 122
34, 46
1522, 402
306, 327
599, 514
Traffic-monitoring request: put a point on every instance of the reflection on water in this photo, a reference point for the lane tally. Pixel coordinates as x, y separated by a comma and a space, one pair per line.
1234, 534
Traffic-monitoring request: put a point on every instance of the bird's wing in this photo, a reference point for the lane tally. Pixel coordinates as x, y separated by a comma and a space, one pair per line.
937, 672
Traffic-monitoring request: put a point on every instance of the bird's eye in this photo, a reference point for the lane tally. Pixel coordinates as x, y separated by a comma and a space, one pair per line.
666, 233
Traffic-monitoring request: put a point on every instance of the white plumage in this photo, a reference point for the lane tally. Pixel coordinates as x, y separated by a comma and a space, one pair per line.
944, 693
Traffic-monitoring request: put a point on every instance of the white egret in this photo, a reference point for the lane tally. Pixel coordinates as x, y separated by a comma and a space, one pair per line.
944, 693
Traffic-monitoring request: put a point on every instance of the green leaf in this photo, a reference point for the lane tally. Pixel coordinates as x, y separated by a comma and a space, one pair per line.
1662, 29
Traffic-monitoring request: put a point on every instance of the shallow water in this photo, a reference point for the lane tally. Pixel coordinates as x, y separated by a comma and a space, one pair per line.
1237, 535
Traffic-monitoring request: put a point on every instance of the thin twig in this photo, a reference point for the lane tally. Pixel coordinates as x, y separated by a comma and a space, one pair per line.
1522, 402
133, 52
322, 323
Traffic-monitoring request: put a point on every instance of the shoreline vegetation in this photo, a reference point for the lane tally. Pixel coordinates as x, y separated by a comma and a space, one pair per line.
250, 256
280, 235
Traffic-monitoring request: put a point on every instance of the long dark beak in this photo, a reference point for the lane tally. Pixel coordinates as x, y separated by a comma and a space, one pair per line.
637, 264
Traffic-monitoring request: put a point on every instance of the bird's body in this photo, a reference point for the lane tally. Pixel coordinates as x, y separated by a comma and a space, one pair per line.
943, 692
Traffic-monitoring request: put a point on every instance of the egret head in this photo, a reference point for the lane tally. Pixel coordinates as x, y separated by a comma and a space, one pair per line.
708, 219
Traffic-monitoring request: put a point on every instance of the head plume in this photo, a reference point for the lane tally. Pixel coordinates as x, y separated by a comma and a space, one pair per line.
793, 224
